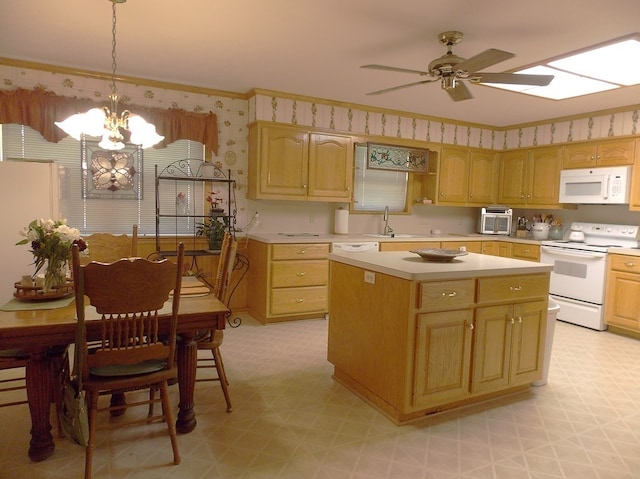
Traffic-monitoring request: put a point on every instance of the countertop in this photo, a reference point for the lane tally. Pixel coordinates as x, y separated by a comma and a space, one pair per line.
360, 237
405, 265
627, 251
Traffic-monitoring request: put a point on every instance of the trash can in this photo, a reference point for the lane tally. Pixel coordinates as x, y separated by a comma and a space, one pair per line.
552, 314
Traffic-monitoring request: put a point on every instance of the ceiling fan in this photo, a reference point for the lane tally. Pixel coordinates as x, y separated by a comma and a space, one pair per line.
450, 69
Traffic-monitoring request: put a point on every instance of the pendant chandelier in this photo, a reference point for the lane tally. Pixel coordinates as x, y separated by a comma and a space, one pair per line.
105, 122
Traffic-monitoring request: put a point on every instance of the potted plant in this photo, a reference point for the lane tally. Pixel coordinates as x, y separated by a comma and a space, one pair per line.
213, 229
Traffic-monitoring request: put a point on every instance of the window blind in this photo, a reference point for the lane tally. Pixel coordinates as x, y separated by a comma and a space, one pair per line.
374, 189
93, 215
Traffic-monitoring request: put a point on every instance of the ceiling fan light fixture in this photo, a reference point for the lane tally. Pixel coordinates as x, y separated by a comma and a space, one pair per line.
448, 82
105, 122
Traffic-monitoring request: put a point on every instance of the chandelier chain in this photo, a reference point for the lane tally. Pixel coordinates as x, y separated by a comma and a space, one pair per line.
113, 49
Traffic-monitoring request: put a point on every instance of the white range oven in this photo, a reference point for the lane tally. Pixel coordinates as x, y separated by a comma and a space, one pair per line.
580, 269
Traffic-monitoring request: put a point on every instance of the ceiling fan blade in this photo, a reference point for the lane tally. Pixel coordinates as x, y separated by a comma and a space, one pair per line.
394, 69
459, 92
483, 60
399, 87
512, 78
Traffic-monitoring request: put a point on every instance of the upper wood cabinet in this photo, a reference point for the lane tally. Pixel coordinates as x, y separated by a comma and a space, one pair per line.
296, 164
530, 178
465, 177
599, 153
634, 201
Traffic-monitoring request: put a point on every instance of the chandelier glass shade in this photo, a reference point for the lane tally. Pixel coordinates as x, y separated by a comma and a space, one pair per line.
105, 122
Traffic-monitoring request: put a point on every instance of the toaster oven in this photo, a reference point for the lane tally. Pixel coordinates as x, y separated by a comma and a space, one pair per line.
495, 220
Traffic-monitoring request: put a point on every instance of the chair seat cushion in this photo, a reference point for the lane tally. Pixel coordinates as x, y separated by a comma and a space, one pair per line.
145, 367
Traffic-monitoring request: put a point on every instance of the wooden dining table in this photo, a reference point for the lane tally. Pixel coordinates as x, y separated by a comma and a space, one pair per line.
37, 330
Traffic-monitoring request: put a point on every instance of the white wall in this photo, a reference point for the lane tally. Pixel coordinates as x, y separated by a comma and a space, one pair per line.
36, 198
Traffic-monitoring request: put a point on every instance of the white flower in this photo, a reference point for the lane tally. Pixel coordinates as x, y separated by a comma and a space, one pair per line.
67, 233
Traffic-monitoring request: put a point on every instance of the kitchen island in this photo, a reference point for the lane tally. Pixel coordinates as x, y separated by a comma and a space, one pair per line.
413, 337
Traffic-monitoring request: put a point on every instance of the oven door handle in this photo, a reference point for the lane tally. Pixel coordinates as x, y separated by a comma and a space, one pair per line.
566, 252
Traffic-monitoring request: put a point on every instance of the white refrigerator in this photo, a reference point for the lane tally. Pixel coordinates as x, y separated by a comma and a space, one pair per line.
28, 190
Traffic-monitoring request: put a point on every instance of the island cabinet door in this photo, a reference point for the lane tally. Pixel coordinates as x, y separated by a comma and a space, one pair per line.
509, 345
492, 348
443, 357
529, 333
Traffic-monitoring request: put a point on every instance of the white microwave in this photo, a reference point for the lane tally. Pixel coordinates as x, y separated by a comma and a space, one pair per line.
603, 186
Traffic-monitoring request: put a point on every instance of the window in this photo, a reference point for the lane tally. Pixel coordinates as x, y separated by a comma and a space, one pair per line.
375, 189
93, 215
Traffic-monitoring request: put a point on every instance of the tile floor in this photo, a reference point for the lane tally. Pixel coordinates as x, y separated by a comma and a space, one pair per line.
291, 420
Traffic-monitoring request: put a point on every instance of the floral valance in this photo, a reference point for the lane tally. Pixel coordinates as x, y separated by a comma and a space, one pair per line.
39, 109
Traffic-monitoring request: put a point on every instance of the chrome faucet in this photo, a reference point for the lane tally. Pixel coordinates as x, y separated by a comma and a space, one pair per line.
387, 230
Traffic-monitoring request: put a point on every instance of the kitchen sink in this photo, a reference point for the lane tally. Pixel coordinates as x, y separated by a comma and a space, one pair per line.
392, 235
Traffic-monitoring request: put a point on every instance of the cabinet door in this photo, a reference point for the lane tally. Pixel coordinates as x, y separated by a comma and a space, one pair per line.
544, 177
283, 161
496, 248
483, 178
445, 335
579, 155
529, 332
330, 167
616, 153
525, 251
513, 168
622, 303
492, 348
634, 203
453, 180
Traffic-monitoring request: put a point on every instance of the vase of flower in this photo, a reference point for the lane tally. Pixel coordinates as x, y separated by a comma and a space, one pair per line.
55, 275
51, 243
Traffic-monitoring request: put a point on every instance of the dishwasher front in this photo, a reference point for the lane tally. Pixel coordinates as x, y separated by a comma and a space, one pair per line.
356, 246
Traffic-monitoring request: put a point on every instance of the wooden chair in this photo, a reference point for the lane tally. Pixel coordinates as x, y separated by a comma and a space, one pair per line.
16, 359
133, 353
107, 248
212, 340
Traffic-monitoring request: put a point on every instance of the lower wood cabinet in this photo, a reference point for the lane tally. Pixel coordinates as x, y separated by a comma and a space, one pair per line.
622, 302
470, 246
508, 344
525, 251
443, 357
496, 248
287, 281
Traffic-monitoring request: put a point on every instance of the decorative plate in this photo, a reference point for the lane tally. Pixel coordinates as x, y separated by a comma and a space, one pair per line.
438, 255
230, 158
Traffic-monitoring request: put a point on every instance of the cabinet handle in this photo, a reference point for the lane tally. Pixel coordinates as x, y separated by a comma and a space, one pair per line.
471, 326
515, 288
304, 186
520, 319
630, 264
300, 273
451, 294
525, 250
302, 251
300, 300
513, 321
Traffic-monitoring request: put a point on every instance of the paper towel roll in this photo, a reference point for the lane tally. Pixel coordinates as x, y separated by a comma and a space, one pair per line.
341, 223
